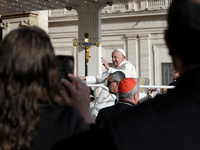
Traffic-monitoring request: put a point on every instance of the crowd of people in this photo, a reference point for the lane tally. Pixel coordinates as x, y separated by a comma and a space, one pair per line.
36, 113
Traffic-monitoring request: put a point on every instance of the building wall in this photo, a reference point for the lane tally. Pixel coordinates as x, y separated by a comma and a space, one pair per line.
137, 27
140, 33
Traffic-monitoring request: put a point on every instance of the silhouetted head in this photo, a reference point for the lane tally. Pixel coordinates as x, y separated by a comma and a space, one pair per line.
183, 33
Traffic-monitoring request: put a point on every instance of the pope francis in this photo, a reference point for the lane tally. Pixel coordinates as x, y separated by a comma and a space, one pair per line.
120, 64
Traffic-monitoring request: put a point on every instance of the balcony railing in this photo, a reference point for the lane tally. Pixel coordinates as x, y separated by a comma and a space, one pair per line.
138, 6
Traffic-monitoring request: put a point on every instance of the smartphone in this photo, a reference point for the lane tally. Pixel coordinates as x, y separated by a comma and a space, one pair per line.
65, 66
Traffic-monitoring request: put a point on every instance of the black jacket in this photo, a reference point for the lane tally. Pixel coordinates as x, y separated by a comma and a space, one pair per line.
109, 112
168, 122
57, 124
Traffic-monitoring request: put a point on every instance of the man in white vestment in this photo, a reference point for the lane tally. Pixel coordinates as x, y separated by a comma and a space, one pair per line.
106, 99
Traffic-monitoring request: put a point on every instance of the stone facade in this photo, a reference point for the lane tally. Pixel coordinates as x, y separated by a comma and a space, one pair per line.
137, 27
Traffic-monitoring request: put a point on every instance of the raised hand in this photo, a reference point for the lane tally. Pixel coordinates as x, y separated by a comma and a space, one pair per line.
105, 63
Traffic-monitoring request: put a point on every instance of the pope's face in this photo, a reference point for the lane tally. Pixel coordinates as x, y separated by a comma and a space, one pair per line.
117, 58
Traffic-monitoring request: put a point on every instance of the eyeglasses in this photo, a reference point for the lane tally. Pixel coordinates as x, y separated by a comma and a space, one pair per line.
109, 82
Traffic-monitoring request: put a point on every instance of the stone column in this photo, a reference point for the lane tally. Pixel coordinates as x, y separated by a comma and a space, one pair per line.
143, 4
43, 20
133, 51
144, 52
89, 21
154, 75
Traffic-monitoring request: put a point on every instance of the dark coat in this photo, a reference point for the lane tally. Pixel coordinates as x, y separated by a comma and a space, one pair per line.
168, 122
109, 112
57, 124
96, 138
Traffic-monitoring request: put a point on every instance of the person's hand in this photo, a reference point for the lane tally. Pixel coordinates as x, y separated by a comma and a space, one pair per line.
105, 63
80, 96
82, 77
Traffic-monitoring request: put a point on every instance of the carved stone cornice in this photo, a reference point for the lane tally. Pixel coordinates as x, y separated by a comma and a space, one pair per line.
144, 36
130, 36
27, 23
4, 25
18, 15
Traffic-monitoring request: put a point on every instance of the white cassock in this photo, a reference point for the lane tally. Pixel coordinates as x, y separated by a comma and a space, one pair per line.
106, 99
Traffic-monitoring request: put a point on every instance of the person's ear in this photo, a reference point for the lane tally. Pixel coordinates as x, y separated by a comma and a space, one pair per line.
124, 57
136, 97
167, 41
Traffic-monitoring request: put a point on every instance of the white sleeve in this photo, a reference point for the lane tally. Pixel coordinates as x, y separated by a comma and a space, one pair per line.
91, 79
112, 70
100, 78
128, 70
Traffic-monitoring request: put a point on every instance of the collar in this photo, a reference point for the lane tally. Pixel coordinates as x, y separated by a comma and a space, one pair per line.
123, 62
126, 102
117, 97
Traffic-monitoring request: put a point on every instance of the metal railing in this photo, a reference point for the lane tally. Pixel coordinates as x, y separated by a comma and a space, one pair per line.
96, 86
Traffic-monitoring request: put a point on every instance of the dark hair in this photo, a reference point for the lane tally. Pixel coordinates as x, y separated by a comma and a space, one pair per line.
184, 30
28, 83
